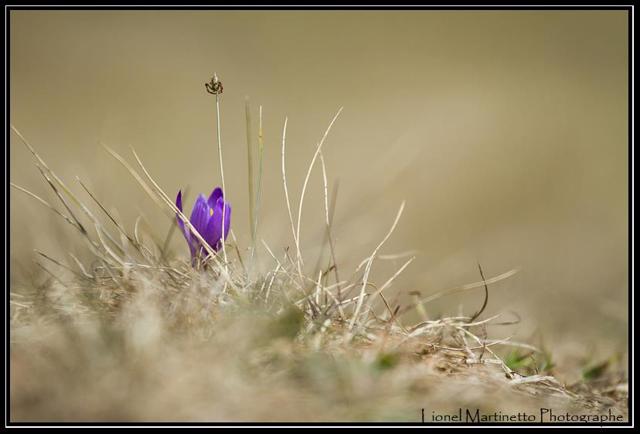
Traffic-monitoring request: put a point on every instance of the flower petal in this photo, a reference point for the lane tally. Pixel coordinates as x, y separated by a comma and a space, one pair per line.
179, 200
227, 219
185, 231
179, 205
192, 242
214, 227
200, 214
215, 195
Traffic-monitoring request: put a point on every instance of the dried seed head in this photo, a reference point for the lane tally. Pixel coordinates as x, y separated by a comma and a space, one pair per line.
214, 87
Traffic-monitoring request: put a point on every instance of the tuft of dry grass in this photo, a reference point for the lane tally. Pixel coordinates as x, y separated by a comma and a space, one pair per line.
134, 334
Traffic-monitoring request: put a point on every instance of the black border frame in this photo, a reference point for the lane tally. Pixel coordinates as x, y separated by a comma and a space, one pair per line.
630, 135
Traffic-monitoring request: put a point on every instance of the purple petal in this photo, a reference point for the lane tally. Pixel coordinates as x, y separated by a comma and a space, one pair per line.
179, 200
227, 219
200, 214
212, 232
179, 205
214, 227
192, 242
185, 231
215, 195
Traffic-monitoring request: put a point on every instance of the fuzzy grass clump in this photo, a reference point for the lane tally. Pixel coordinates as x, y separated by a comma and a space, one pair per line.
142, 335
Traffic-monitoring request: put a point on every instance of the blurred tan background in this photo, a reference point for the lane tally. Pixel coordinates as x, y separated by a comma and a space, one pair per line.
505, 132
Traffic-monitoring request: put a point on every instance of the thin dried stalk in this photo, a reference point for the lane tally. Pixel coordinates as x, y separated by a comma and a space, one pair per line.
368, 267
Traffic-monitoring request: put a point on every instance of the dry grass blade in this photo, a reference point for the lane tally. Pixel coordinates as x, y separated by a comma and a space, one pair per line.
391, 279
368, 267
273, 276
284, 184
401, 255
62, 200
135, 175
58, 263
247, 110
46, 168
508, 371
470, 286
237, 249
304, 189
76, 223
105, 246
108, 214
81, 267
259, 181
328, 214
486, 296
45, 203
52, 275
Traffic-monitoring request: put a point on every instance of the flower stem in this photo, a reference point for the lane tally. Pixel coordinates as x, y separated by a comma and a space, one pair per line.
224, 188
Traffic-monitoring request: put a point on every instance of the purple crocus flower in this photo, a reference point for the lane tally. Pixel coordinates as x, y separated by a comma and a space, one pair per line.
206, 218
